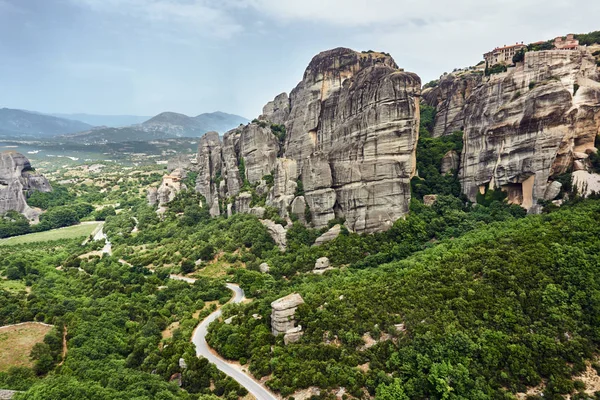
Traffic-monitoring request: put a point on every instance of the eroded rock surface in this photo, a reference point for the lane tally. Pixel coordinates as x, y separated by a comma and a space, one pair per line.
283, 312
170, 186
351, 131
17, 180
529, 124
330, 235
449, 98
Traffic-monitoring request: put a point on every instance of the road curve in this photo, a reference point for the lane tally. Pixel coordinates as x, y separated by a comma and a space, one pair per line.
233, 370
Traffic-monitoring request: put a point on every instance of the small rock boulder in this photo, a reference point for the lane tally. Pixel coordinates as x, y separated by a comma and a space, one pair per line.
322, 265
328, 236
264, 268
429, 199
450, 162
552, 190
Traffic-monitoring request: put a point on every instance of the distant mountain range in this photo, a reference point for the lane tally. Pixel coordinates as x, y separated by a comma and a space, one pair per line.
113, 121
17, 123
30, 124
163, 126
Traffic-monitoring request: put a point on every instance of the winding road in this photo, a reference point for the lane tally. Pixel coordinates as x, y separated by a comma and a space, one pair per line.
232, 370
199, 336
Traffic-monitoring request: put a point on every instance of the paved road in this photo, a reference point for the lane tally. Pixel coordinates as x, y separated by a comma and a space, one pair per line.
233, 370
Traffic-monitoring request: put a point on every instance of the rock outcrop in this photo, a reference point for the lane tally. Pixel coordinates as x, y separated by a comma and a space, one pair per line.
277, 232
152, 196
330, 235
523, 127
322, 265
278, 110
348, 150
449, 99
283, 312
167, 191
450, 162
529, 124
17, 180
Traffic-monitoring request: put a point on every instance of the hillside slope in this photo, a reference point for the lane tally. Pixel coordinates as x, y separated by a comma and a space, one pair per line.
17, 123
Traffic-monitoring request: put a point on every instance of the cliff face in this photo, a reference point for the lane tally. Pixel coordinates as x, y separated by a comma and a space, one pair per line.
449, 98
525, 126
17, 179
351, 128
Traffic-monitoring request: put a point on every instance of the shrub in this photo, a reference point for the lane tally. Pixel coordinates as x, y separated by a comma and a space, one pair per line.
496, 69
519, 56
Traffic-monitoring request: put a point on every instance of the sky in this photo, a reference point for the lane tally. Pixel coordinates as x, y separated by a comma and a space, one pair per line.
143, 57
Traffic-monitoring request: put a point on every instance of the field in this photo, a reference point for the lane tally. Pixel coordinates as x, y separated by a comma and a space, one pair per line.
16, 342
70, 232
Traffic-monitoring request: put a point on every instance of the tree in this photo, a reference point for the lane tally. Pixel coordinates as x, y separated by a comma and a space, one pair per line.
394, 391
42, 355
519, 56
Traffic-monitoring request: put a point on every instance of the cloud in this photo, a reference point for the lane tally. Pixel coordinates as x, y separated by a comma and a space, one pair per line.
205, 17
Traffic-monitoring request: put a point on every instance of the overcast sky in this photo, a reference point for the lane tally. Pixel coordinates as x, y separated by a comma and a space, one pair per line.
192, 56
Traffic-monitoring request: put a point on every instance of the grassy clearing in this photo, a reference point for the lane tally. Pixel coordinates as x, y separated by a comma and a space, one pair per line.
216, 269
16, 342
70, 232
12, 286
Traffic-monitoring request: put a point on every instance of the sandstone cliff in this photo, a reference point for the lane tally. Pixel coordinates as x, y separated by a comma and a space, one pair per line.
449, 99
17, 180
348, 148
530, 124
523, 127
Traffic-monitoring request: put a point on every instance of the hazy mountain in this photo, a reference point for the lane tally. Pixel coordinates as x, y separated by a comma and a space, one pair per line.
114, 121
163, 126
29, 123
220, 122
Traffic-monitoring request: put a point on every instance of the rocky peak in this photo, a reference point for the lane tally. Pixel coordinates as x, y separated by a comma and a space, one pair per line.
351, 127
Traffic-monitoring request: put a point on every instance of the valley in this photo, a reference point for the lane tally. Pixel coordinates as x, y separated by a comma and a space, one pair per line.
366, 236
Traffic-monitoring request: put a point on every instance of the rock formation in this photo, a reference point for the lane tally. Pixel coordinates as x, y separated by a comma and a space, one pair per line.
17, 180
527, 125
277, 232
449, 98
278, 110
152, 196
351, 127
168, 189
322, 265
330, 235
282, 314
522, 127
450, 162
